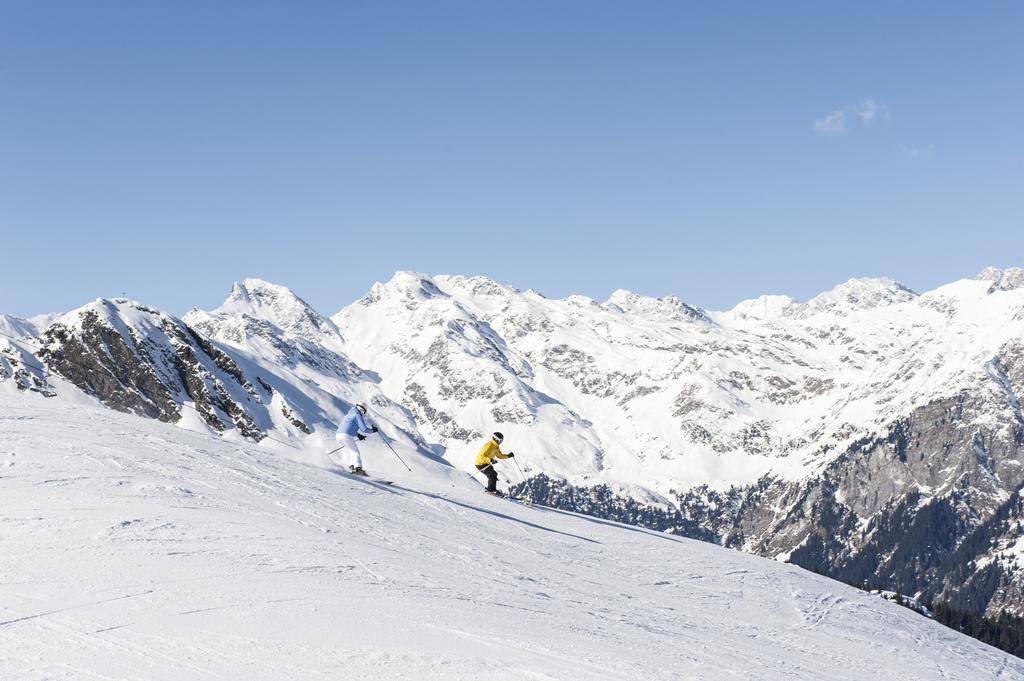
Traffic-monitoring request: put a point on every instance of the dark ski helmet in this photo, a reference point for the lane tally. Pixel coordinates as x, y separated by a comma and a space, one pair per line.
361, 408
498, 437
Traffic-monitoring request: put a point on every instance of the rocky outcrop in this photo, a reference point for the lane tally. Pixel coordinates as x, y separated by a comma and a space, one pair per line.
138, 360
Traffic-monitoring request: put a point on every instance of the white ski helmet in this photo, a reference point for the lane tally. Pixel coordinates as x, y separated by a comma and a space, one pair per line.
361, 408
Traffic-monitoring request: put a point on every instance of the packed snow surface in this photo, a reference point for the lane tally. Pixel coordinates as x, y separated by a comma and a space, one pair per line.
134, 549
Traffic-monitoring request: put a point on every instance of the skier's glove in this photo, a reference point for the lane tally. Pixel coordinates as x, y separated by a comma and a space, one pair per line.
375, 429
511, 455
360, 436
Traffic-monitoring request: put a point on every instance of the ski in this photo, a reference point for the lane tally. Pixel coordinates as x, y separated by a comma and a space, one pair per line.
362, 476
517, 500
370, 478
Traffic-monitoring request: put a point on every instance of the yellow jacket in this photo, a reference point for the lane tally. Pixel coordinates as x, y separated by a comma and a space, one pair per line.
489, 453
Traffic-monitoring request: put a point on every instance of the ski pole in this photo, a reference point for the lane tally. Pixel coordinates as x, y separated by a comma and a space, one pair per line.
526, 483
516, 462
335, 450
393, 451
282, 442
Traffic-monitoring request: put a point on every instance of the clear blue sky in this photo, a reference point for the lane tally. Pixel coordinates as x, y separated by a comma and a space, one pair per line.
715, 151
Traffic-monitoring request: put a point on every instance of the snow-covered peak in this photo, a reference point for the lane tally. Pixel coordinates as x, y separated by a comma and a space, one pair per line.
622, 298
1005, 279
117, 313
766, 307
16, 326
280, 330
859, 294
277, 304
404, 280
959, 296
477, 285
581, 301
631, 303
408, 286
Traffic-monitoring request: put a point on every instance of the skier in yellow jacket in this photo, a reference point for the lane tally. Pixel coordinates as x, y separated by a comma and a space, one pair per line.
485, 460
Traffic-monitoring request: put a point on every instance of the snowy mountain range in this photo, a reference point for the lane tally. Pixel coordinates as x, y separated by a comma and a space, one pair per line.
871, 433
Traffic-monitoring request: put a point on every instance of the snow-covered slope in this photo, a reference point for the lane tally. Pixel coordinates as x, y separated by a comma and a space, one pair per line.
134, 549
16, 326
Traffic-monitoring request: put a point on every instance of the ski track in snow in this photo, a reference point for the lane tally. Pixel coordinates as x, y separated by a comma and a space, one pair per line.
136, 550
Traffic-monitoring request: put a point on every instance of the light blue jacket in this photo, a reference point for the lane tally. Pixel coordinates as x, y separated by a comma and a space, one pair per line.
353, 423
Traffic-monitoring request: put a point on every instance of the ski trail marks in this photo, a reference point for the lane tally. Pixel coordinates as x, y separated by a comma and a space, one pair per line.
73, 607
496, 514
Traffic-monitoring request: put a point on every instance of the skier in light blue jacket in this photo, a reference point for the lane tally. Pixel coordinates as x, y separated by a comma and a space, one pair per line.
352, 428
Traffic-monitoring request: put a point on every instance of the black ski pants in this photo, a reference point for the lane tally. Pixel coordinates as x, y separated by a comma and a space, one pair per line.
492, 476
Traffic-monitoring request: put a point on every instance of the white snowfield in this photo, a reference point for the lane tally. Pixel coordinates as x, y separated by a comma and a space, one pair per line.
133, 549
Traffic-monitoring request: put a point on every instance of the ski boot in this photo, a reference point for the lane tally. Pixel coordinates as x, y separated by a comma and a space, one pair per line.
357, 470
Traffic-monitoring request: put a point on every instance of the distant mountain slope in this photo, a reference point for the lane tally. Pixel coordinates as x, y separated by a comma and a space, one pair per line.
15, 326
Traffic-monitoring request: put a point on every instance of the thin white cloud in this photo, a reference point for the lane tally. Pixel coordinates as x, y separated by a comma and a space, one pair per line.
832, 124
869, 110
866, 112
